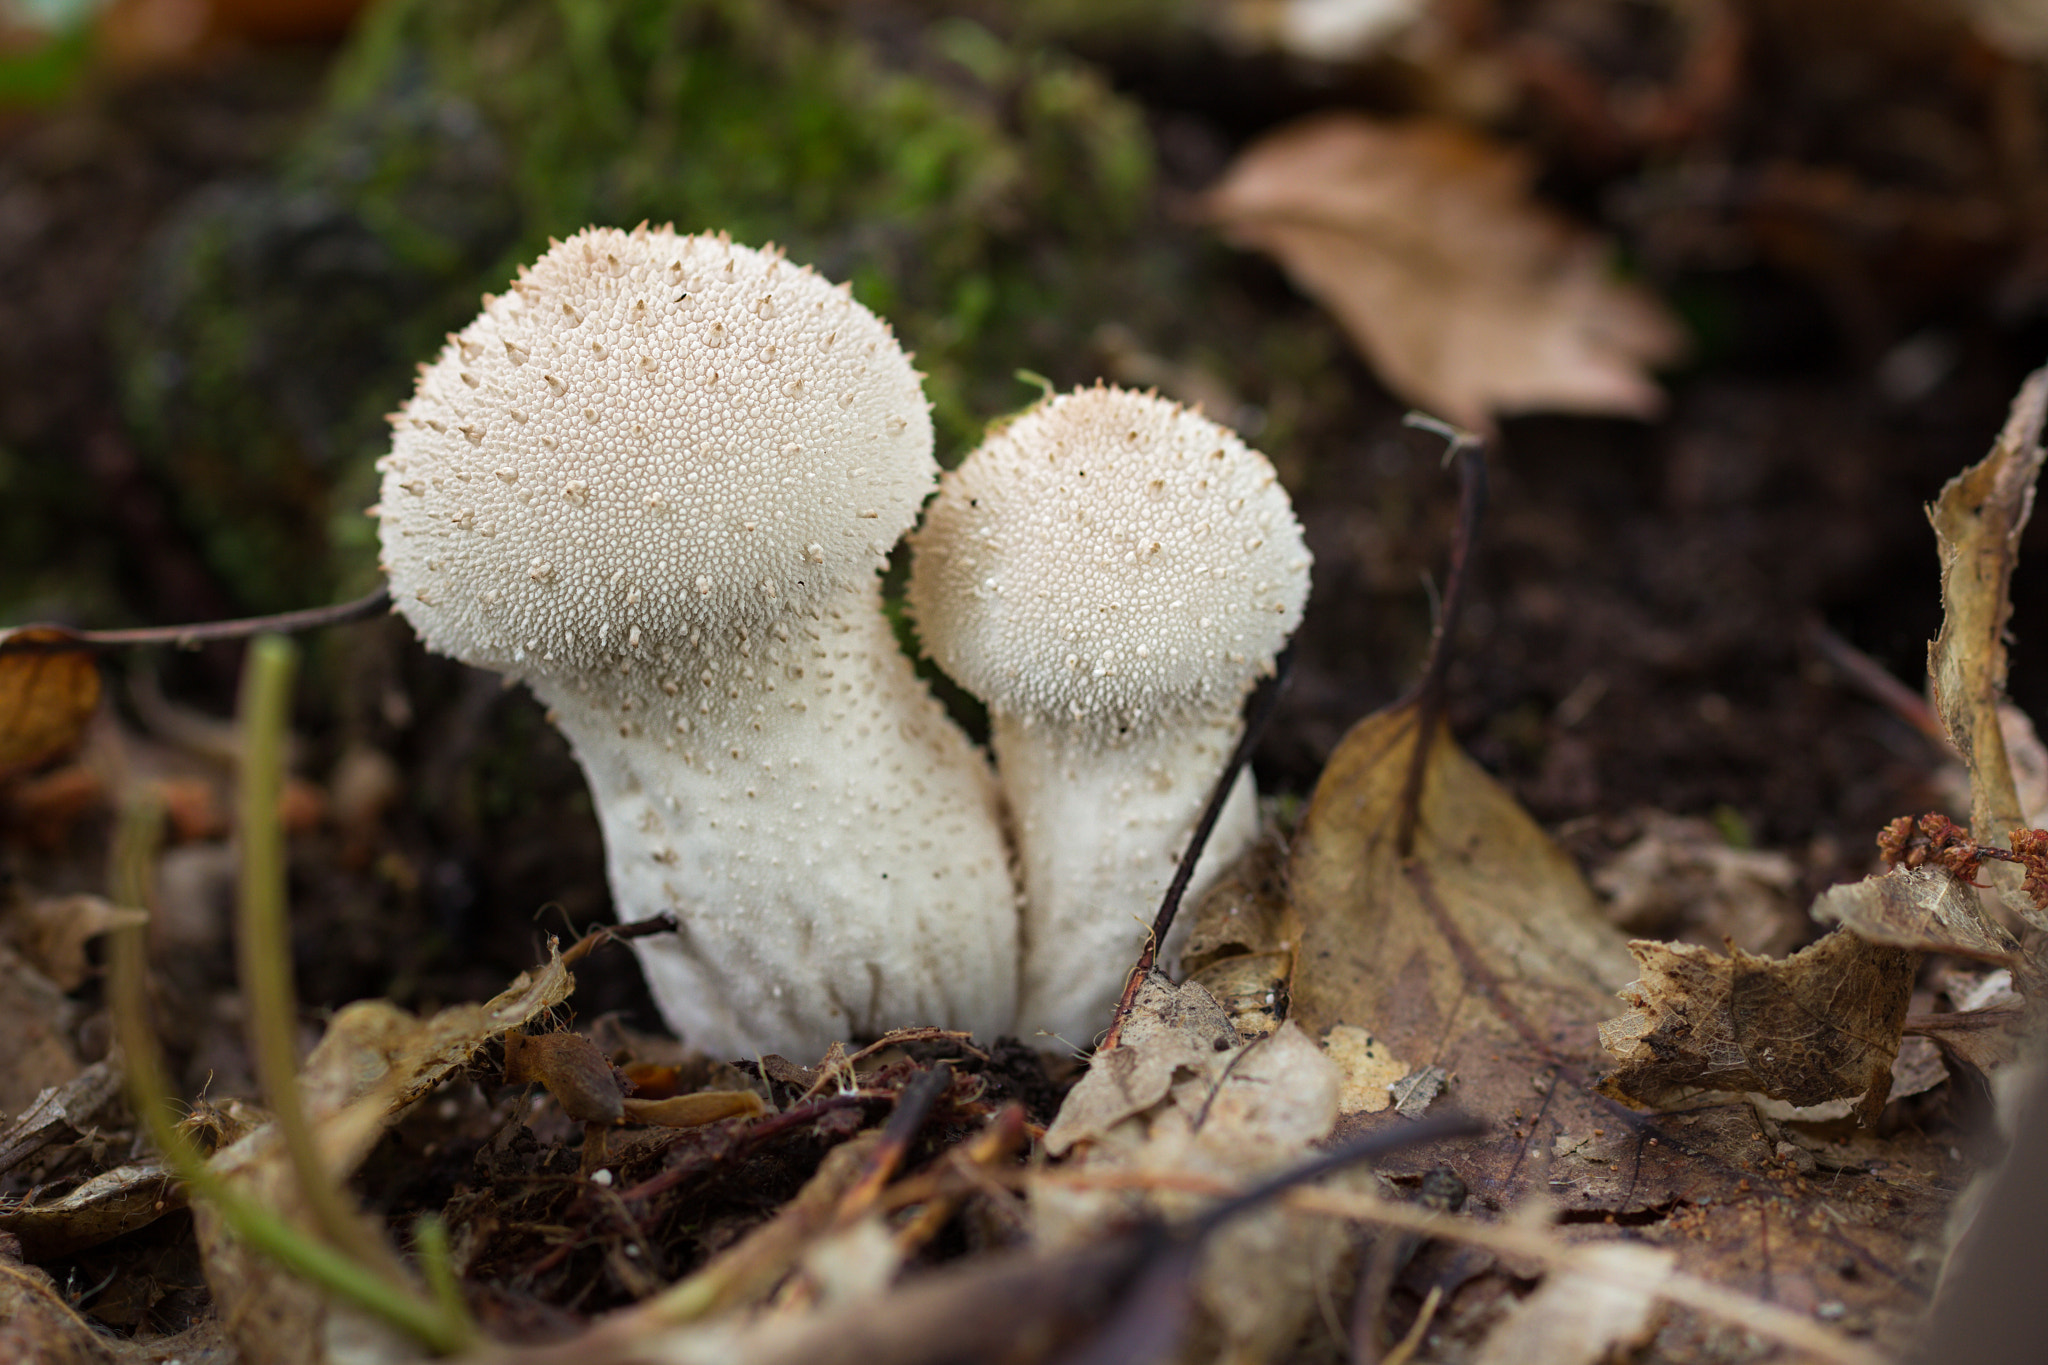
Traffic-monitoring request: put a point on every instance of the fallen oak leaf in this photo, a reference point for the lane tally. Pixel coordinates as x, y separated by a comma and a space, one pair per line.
1467, 296
47, 694
1820, 1025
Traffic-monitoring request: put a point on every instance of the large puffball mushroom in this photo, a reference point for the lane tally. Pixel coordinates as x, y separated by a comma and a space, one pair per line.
655, 480
1111, 574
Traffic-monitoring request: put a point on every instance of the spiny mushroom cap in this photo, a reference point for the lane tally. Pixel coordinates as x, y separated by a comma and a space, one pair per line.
647, 434
1109, 559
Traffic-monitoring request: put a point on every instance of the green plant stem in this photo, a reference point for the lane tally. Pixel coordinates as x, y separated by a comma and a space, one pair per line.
264, 947
149, 1093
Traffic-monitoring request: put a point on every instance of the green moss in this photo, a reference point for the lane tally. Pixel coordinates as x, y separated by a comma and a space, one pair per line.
985, 197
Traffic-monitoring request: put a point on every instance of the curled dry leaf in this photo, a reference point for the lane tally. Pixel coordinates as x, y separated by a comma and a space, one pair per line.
1977, 523
1823, 1024
1923, 908
1467, 296
55, 930
100, 1209
46, 697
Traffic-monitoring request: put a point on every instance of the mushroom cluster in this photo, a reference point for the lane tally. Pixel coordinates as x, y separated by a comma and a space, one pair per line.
1110, 573
655, 480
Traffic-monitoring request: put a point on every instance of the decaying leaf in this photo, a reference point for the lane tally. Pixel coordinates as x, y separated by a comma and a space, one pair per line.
1223, 1115
109, 1204
1601, 1301
1370, 1069
1241, 947
1820, 1025
1977, 523
53, 933
1923, 908
46, 697
1467, 296
61, 1113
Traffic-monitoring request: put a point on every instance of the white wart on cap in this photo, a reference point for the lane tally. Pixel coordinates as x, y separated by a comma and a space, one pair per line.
655, 479
1110, 573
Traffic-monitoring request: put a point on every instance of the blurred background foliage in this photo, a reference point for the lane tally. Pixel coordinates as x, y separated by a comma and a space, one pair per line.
970, 188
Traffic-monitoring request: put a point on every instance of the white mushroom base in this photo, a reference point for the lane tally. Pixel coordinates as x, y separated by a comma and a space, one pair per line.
829, 841
1100, 831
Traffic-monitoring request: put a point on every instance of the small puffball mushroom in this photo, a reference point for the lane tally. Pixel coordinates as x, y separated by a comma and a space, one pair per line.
655, 480
1110, 573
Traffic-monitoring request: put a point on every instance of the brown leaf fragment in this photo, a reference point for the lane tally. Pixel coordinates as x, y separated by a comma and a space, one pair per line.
46, 697
1820, 1025
1601, 1301
1414, 1092
1977, 523
61, 1113
54, 931
580, 1077
1170, 1030
1924, 908
102, 1208
1466, 295
1982, 1040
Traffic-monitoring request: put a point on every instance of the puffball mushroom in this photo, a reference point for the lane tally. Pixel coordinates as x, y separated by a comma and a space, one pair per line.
1110, 573
655, 481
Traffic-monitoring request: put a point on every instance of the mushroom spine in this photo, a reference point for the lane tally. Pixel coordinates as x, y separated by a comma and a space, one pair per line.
1110, 573
655, 480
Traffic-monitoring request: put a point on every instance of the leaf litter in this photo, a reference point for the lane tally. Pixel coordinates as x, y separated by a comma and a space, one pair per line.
1468, 297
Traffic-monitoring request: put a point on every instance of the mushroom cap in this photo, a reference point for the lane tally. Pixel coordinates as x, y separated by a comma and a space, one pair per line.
647, 434
1109, 559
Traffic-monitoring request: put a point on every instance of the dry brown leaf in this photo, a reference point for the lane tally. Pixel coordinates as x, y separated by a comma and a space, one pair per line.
103, 1207
1820, 1025
1483, 953
55, 930
1241, 948
1224, 1116
1924, 908
1467, 296
1602, 1300
1977, 523
62, 1113
46, 697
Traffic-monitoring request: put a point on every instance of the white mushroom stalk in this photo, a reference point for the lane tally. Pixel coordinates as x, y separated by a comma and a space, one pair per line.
1111, 574
655, 481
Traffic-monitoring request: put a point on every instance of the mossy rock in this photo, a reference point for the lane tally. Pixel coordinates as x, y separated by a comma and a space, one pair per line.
988, 197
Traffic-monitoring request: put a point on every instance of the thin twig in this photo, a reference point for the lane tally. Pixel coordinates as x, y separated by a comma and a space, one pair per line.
204, 632
1427, 697
1259, 711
